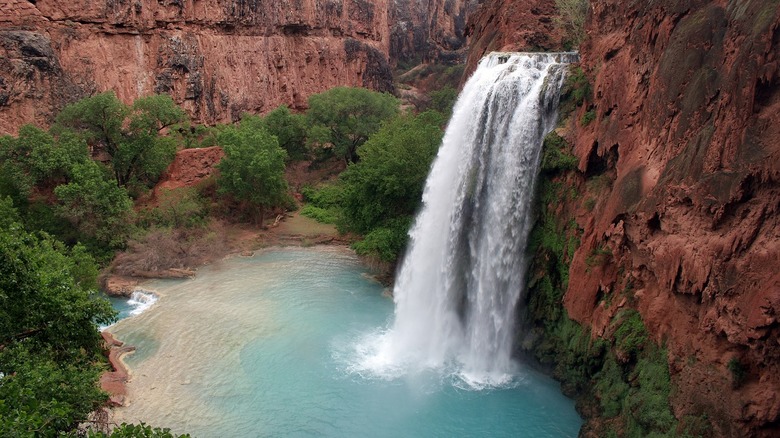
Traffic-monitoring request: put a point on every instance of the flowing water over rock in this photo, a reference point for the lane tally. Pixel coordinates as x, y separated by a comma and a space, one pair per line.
465, 268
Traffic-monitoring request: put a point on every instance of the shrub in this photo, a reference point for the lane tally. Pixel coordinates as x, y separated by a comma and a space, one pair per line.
571, 19
599, 256
387, 241
588, 117
630, 336
177, 208
323, 215
142, 430
443, 100
555, 155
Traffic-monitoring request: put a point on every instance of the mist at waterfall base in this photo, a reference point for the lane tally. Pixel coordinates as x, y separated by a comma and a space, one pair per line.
265, 346
458, 286
298, 342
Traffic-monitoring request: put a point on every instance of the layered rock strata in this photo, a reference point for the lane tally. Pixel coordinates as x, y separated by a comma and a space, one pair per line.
217, 58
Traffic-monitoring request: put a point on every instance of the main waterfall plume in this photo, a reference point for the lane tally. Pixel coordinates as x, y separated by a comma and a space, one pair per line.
464, 270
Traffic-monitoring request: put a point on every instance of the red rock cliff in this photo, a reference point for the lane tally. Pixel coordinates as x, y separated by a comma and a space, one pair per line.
511, 26
682, 142
429, 30
217, 58
686, 129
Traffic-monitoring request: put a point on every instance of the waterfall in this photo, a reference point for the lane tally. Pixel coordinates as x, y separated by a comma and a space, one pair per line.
465, 267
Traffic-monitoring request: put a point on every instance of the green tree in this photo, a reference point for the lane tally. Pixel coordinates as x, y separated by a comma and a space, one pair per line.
443, 100
344, 118
35, 157
49, 342
97, 207
129, 135
289, 129
252, 170
384, 189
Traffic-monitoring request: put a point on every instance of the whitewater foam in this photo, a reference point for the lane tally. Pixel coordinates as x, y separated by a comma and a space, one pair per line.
464, 270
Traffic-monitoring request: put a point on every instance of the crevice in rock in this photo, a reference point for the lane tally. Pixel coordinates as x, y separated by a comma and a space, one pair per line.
654, 223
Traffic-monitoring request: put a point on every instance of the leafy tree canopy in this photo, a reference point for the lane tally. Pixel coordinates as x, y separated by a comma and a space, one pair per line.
35, 157
382, 191
129, 135
290, 131
97, 207
252, 170
344, 118
49, 342
388, 180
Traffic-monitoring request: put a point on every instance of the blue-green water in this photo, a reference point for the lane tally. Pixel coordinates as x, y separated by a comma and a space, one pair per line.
271, 345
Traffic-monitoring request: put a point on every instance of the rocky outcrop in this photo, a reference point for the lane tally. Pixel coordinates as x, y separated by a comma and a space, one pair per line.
511, 26
190, 167
216, 58
429, 30
681, 149
114, 382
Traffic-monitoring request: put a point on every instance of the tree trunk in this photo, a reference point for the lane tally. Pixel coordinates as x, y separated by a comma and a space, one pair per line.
260, 213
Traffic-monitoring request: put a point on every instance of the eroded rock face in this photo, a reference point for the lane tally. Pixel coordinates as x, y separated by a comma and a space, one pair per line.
217, 58
429, 30
189, 168
686, 137
511, 26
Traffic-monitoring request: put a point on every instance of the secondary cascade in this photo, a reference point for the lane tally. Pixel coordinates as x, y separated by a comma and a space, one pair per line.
465, 267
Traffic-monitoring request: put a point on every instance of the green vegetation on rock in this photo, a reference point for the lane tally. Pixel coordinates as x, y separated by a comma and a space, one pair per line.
571, 20
622, 377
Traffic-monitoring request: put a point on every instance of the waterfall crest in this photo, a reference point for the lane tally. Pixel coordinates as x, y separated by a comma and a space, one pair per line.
465, 267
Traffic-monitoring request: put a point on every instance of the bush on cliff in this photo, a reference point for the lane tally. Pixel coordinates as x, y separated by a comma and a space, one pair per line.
571, 20
622, 378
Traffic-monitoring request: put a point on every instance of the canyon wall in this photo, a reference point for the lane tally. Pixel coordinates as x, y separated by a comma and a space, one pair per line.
216, 58
683, 131
678, 188
511, 26
429, 30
